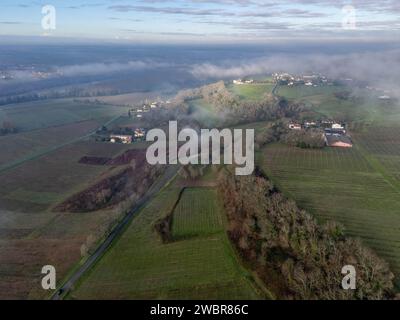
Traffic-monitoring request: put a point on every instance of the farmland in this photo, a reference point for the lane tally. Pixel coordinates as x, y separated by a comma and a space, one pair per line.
345, 186
363, 108
204, 220
383, 144
256, 91
46, 126
357, 187
198, 264
50, 113
39, 169
31, 234
24, 145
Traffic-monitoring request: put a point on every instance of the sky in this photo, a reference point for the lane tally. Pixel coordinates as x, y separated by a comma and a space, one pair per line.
203, 20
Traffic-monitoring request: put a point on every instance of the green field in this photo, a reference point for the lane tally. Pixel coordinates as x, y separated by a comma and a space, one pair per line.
383, 145
256, 91
197, 214
198, 264
302, 91
345, 185
364, 108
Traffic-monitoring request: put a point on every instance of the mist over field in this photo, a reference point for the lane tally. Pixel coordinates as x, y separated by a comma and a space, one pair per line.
176, 67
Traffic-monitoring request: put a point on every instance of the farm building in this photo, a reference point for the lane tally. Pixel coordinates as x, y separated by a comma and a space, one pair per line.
329, 131
309, 124
139, 133
238, 81
295, 126
120, 138
341, 141
241, 81
337, 126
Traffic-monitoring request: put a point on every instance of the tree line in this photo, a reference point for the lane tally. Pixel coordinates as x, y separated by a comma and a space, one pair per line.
290, 252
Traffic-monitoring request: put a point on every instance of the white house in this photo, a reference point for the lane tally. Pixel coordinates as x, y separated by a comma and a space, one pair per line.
294, 126
337, 126
125, 139
238, 81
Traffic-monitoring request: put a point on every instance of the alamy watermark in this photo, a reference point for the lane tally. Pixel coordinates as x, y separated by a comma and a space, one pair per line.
49, 19
349, 20
49, 280
202, 147
349, 280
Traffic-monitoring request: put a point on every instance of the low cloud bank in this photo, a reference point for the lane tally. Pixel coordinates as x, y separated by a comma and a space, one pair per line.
90, 69
380, 68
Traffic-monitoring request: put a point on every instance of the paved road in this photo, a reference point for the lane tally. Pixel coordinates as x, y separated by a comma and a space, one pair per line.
168, 175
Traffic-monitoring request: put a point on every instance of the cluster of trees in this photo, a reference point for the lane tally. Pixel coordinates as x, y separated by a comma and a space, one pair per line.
269, 134
233, 111
343, 95
291, 253
131, 182
305, 138
163, 226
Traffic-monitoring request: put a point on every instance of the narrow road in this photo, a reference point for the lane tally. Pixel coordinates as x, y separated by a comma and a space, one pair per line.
168, 175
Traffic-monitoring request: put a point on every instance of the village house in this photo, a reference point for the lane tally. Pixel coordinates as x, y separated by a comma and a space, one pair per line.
310, 124
329, 131
238, 81
139, 133
294, 126
241, 81
338, 126
121, 138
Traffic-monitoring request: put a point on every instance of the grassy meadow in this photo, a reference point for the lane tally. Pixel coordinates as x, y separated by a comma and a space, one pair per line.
363, 109
255, 92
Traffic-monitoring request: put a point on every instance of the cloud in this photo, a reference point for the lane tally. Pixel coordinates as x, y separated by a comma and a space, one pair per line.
10, 22
379, 67
168, 10
88, 69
